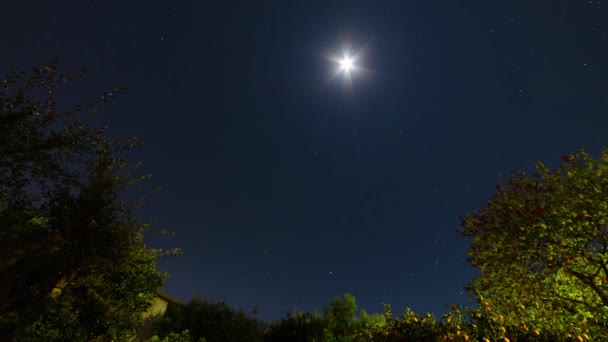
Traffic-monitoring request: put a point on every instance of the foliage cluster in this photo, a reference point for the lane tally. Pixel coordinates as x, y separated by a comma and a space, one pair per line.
467, 324
339, 322
184, 336
459, 324
210, 321
547, 231
73, 263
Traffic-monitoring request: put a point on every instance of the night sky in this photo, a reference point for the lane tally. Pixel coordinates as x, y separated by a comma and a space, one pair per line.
285, 183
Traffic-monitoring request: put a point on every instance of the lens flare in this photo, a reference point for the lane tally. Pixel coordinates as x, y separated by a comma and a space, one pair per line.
346, 64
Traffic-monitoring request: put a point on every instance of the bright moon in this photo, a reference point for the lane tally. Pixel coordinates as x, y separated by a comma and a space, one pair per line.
347, 64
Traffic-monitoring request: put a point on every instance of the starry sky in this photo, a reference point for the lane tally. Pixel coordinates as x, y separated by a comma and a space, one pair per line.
288, 183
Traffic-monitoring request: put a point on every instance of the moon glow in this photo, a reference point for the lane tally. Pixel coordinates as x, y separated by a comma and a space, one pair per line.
346, 64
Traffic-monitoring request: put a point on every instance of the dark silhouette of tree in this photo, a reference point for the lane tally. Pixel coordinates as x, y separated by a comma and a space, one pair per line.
339, 322
212, 321
73, 264
296, 327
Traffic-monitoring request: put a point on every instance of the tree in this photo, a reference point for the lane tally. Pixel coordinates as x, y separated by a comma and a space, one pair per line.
339, 322
367, 325
541, 246
339, 319
73, 264
210, 321
296, 327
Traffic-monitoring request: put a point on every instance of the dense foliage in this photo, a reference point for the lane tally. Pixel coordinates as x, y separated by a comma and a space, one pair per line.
73, 264
339, 322
210, 321
541, 246
296, 327
459, 324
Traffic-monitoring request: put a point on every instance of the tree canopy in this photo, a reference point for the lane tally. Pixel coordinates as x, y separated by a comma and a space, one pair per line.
210, 321
540, 243
73, 263
339, 322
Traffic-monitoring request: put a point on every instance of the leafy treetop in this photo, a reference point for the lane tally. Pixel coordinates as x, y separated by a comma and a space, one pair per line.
541, 244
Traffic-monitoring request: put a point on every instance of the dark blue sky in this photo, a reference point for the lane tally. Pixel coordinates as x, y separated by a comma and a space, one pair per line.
286, 188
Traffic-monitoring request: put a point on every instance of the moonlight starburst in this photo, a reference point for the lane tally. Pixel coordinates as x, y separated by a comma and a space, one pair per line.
346, 64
